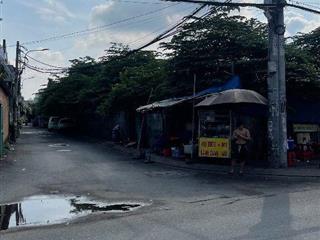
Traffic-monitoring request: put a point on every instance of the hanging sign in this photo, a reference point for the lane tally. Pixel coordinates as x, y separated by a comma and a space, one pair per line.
214, 147
305, 127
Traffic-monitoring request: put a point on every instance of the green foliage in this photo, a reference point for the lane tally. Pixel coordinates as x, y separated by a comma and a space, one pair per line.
70, 95
310, 42
134, 86
91, 87
208, 48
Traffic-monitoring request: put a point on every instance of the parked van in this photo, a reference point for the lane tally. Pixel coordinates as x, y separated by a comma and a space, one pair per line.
53, 123
66, 124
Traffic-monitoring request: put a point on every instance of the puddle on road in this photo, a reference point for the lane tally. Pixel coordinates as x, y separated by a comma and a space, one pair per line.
48, 209
31, 132
59, 145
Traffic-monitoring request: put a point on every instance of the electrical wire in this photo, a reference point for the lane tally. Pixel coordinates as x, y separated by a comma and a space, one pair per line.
141, 2
304, 4
174, 30
95, 29
168, 33
43, 63
151, 33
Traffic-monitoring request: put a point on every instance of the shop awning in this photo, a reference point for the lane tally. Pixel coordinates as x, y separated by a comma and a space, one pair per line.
233, 83
162, 104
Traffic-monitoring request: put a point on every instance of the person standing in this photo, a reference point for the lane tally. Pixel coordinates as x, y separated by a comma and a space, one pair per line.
241, 137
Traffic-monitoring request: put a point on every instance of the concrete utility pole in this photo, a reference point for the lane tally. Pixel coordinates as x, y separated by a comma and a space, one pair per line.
277, 121
15, 89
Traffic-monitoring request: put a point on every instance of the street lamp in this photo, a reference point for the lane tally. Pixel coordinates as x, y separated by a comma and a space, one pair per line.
35, 50
29, 51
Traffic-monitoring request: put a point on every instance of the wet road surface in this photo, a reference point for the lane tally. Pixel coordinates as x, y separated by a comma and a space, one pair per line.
177, 204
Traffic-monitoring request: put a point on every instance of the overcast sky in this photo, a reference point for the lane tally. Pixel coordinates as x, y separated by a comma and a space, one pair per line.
28, 20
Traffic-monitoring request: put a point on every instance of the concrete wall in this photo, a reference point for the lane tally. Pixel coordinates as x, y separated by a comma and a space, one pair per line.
4, 101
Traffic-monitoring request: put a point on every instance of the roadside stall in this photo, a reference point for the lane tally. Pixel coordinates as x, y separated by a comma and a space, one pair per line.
166, 127
175, 122
304, 129
307, 136
215, 133
218, 117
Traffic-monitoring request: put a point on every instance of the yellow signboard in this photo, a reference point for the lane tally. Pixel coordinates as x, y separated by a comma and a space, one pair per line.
214, 147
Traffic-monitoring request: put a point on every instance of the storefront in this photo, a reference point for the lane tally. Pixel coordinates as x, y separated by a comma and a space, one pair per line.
309, 132
304, 129
214, 133
220, 114
307, 138
172, 125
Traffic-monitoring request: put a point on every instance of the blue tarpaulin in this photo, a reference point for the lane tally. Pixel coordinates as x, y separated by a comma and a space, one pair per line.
233, 83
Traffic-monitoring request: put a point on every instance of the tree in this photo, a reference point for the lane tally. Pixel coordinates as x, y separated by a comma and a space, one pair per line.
119, 81
116, 82
309, 42
209, 47
136, 79
71, 95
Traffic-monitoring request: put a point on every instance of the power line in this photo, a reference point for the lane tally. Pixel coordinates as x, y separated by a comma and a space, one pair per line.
303, 8
95, 29
46, 64
141, 2
304, 3
225, 3
247, 4
166, 34
56, 68
169, 32
45, 70
150, 33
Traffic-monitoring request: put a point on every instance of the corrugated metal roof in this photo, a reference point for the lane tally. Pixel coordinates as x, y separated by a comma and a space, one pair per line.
233, 83
162, 104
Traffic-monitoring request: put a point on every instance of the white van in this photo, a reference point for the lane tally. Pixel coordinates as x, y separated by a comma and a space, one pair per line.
53, 123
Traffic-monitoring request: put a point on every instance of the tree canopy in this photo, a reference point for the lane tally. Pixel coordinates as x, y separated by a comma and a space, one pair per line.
211, 48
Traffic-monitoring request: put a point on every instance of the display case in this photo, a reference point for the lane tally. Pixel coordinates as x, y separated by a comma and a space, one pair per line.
214, 134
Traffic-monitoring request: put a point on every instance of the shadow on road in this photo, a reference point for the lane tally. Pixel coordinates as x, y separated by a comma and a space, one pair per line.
276, 221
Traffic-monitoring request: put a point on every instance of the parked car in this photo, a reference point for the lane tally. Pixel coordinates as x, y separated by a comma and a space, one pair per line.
53, 123
66, 124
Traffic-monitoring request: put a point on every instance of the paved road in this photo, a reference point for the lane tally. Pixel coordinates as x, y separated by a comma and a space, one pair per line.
185, 204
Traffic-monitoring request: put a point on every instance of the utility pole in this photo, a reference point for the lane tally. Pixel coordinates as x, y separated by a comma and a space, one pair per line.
277, 121
4, 46
193, 116
15, 89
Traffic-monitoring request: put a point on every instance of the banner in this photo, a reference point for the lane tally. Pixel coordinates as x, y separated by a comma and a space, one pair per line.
214, 147
305, 127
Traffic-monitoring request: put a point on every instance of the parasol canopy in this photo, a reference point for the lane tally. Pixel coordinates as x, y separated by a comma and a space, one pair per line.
233, 96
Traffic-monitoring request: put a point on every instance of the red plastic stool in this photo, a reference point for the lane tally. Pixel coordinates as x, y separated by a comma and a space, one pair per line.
291, 159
